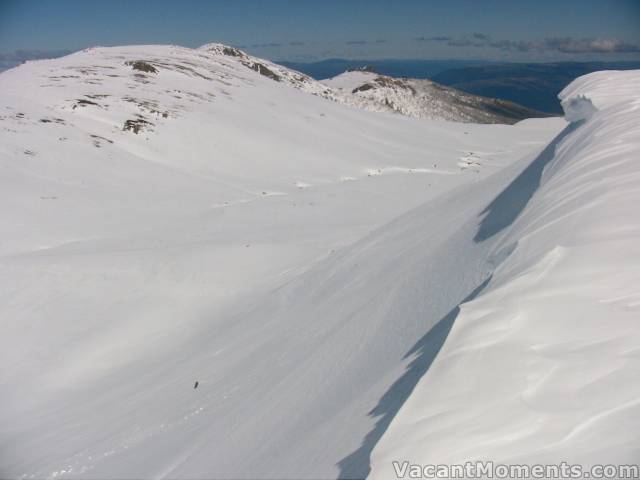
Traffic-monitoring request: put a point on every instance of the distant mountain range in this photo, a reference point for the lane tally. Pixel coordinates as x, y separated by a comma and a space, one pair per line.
533, 85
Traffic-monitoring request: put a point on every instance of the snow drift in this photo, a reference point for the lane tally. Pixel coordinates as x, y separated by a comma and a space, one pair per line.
542, 365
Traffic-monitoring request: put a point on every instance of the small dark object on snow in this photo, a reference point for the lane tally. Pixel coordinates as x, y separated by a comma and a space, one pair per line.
195, 385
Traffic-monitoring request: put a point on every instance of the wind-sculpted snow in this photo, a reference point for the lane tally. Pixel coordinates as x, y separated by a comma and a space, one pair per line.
173, 215
541, 367
603, 89
578, 108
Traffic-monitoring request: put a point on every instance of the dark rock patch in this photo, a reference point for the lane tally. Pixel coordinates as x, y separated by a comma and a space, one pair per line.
141, 78
97, 140
137, 125
81, 102
142, 66
52, 120
263, 70
147, 106
394, 82
362, 88
232, 52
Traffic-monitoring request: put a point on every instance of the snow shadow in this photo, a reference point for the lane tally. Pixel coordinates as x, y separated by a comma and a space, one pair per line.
357, 465
506, 207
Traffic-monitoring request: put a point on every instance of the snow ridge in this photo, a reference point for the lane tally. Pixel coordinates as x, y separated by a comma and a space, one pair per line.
539, 367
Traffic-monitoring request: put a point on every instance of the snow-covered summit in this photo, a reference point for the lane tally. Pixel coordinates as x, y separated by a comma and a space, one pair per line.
423, 99
270, 70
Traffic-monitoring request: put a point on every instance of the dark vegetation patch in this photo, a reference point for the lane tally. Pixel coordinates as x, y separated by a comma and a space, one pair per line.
81, 102
97, 140
232, 52
196, 95
362, 88
86, 71
389, 82
394, 82
136, 126
141, 78
97, 96
142, 65
147, 106
52, 120
263, 70
390, 105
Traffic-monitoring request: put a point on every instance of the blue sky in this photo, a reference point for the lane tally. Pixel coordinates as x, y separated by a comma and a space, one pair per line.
525, 30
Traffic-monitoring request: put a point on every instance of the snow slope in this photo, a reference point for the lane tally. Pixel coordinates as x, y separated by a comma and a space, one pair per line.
379, 93
421, 98
542, 366
172, 215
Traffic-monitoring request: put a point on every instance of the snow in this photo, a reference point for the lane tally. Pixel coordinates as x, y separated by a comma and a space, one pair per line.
287, 251
541, 363
350, 80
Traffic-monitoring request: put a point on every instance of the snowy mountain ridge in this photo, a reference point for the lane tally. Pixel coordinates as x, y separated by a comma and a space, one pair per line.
415, 98
272, 70
424, 99
379, 93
